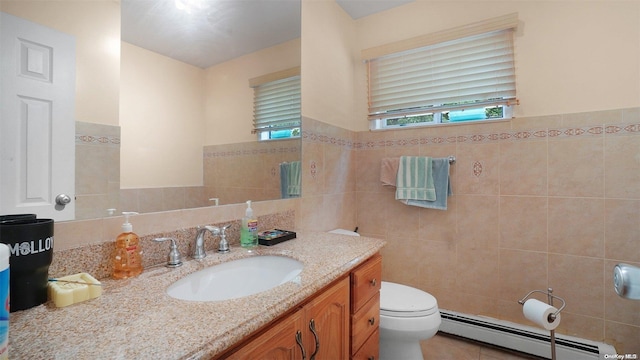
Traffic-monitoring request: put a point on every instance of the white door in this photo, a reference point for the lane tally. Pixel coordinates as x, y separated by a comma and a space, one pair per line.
37, 125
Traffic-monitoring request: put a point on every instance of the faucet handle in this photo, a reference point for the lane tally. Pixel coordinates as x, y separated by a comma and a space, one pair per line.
174, 259
214, 230
223, 246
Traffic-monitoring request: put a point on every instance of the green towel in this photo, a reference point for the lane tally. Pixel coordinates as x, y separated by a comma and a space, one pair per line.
294, 178
415, 179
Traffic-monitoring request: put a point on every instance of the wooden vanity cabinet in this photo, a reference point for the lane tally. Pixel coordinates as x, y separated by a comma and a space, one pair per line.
343, 319
320, 328
277, 342
365, 309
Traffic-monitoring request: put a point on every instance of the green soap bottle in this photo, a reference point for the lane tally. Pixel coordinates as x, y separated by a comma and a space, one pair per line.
249, 229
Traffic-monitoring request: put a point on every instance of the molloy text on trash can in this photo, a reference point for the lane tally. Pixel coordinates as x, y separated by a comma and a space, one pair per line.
31, 247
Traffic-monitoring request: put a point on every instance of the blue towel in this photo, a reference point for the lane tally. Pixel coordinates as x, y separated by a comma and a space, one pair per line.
414, 180
284, 180
442, 184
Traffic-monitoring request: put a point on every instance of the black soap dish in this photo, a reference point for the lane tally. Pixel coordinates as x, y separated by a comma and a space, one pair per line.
275, 236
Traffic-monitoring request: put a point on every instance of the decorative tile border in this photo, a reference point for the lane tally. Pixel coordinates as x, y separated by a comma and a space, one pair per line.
516, 135
324, 139
97, 140
235, 153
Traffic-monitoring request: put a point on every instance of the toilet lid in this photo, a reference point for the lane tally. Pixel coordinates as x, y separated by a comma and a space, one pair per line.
404, 301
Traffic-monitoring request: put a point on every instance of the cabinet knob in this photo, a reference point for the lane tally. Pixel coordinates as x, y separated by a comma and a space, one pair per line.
371, 357
374, 282
372, 321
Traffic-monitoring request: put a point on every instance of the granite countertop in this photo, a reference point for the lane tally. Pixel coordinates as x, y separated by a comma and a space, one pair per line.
136, 319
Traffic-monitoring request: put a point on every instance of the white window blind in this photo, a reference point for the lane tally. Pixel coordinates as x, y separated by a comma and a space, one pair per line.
468, 72
276, 106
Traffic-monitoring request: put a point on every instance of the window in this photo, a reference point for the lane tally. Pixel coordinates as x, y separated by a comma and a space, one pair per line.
462, 74
276, 105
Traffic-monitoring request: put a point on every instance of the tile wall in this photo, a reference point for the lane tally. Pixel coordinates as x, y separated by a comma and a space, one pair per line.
541, 202
328, 177
145, 200
97, 169
538, 202
235, 173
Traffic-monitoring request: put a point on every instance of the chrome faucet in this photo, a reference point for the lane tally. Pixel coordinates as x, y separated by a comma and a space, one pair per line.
223, 245
198, 251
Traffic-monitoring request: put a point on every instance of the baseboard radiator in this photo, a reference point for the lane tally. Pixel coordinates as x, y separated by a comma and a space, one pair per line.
526, 339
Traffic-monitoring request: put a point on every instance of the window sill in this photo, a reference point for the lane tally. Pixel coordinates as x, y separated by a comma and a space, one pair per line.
457, 123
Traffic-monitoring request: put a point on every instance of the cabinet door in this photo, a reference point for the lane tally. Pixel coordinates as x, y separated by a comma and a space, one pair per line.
279, 342
327, 316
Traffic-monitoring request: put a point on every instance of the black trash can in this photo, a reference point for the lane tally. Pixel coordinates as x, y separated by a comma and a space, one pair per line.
14, 217
30, 242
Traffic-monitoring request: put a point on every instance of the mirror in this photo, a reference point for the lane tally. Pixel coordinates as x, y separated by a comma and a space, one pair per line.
157, 134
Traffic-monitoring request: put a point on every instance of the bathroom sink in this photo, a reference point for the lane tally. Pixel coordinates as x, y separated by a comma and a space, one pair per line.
236, 278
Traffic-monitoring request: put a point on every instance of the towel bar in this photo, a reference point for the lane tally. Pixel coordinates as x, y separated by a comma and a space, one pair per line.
452, 159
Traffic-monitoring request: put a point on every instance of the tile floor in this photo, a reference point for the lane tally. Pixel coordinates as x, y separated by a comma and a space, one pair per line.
444, 347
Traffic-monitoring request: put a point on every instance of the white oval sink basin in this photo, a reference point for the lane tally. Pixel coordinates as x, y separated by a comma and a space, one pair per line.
235, 279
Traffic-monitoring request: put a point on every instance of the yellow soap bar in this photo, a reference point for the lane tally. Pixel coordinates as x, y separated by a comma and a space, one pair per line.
66, 293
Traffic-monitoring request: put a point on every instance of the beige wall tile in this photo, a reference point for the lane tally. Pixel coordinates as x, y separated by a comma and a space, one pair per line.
339, 174
576, 226
478, 169
173, 198
622, 167
340, 211
521, 272
69, 235
367, 169
523, 168
523, 223
310, 217
575, 167
583, 326
91, 173
573, 278
400, 255
439, 225
622, 226
440, 277
150, 200
312, 169
403, 220
371, 212
476, 271
623, 337
478, 221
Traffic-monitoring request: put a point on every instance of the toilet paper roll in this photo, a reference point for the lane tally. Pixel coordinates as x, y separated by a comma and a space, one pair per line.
539, 312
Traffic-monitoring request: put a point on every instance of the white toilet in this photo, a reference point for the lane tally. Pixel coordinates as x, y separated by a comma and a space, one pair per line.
407, 316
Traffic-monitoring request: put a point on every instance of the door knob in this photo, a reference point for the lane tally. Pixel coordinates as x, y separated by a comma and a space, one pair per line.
63, 199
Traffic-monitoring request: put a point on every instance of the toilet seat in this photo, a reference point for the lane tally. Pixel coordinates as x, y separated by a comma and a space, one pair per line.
398, 300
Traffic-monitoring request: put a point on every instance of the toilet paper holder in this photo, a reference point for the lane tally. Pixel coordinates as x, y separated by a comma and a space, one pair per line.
551, 317
550, 298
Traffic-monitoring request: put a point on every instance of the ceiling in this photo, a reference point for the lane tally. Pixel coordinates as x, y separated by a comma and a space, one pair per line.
209, 32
